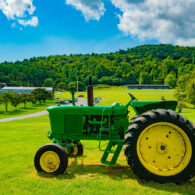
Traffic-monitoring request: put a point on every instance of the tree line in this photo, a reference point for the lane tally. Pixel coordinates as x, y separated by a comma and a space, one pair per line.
14, 99
185, 89
147, 64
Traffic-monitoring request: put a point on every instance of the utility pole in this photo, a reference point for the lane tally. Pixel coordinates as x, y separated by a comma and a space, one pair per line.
77, 87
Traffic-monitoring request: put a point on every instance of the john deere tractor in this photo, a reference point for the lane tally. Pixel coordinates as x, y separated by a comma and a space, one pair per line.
159, 143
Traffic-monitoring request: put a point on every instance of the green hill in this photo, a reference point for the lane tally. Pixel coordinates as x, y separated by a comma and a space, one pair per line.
147, 64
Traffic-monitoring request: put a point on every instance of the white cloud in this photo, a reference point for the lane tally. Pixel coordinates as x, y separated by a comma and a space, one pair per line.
32, 22
168, 21
186, 42
91, 9
19, 10
13, 25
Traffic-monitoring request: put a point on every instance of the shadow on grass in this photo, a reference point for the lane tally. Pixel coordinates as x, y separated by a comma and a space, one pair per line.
21, 110
18, 111
120, 173
13, 112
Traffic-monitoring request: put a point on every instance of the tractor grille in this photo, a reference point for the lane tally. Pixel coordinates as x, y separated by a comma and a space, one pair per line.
73, 124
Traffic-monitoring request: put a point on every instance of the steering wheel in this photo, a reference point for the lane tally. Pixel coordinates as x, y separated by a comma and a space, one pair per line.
132, 97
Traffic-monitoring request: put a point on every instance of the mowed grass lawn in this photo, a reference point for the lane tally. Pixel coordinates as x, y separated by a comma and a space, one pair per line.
85, 175
30, 108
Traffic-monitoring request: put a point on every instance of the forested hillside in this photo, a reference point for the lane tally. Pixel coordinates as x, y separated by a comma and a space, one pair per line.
147, 64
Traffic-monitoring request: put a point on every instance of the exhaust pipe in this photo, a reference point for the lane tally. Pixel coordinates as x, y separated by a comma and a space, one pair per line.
90, 92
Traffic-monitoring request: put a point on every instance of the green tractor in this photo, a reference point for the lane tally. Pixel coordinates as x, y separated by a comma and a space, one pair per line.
159, 143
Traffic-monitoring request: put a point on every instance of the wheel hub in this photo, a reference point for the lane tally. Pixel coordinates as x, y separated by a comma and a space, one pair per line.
164, 149
161, 148
49, 161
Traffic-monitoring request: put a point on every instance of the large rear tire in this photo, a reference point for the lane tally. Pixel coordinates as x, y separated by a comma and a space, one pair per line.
160, 145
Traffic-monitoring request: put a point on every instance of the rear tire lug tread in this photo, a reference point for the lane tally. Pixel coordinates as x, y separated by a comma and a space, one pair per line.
133, 131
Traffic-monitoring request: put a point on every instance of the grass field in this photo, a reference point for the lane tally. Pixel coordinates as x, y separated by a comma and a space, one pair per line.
85, 175
30, 108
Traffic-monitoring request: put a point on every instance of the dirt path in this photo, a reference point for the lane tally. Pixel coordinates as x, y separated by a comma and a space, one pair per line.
24, 116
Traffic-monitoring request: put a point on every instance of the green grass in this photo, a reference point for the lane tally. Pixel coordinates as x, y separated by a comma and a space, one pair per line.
109, 95
85, 175
30, 108
120, 94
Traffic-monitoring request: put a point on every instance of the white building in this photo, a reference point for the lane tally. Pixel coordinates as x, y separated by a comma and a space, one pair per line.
146, 86
23, 90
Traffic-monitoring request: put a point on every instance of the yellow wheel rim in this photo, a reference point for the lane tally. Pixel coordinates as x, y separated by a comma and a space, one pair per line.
49, 161
75, 150
164, 149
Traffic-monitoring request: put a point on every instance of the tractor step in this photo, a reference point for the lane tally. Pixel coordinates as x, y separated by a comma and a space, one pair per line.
110, 151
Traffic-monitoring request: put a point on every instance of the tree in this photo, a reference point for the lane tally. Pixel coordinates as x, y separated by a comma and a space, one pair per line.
61, 85
41, 94
6, 99
145, 78
32, 98
190, 92
140, 79
24, 98
46, 95
0, 99
180, 90
170, 80
49, 82
147, 64
15, 100
82, 86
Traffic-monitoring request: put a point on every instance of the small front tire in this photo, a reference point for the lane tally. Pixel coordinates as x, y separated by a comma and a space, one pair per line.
76, 151
80, 150
51, 158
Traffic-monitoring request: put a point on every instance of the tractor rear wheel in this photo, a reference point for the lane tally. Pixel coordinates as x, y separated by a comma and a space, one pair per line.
51, 158
160, 145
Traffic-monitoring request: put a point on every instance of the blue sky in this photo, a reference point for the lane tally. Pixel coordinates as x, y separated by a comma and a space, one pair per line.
42, 28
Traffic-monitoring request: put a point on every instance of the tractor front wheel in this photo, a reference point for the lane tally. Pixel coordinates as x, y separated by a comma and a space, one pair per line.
76, 150
51, 158
160, 146
80, 149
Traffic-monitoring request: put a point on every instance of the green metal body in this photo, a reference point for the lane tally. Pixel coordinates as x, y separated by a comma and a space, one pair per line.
74, 123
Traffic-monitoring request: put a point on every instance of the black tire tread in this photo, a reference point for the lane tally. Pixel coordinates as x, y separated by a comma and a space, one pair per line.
132, 135
61, 153
80, 149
